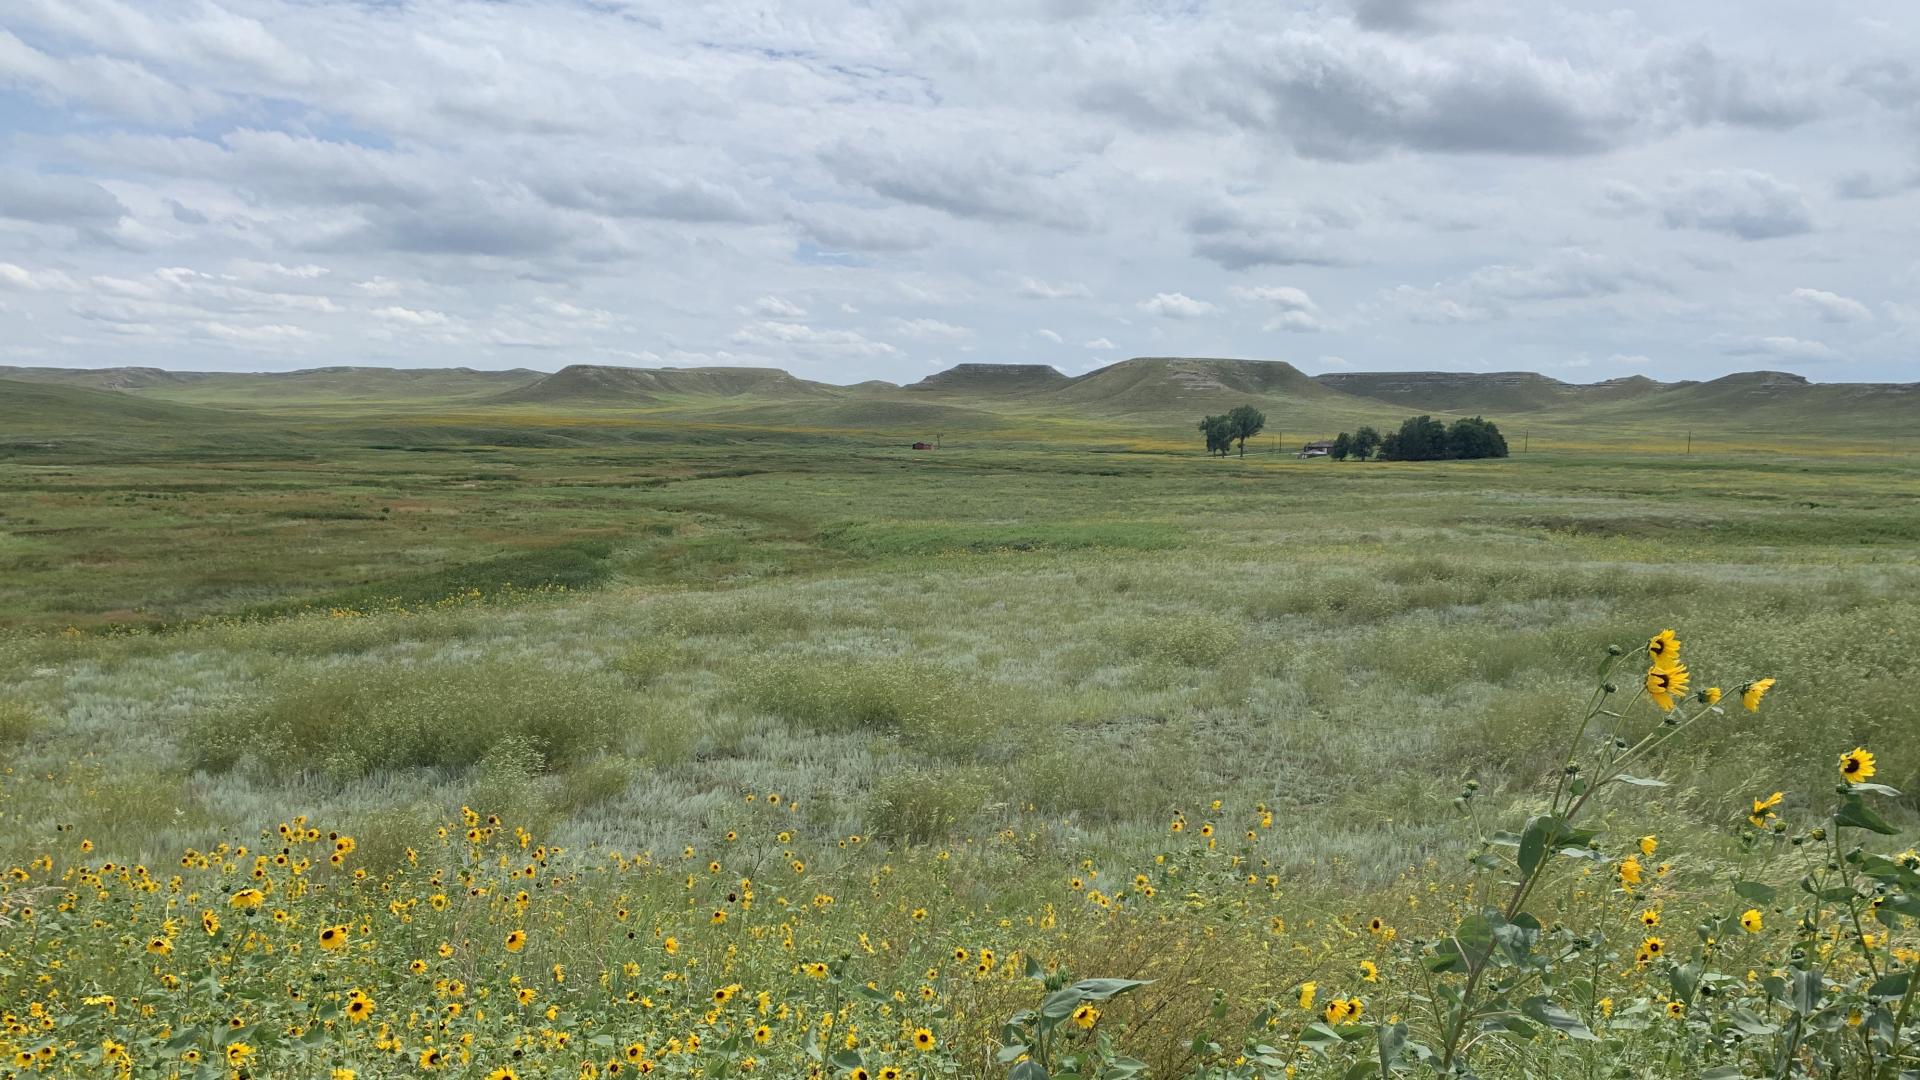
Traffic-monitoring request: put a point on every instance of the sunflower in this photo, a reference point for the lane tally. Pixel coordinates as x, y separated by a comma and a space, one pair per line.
1676, 1009
1762, 809
1665, 684
1629, 872
923, 1040
890, 1072
1663, 649
238, 1053
1856, 765
1649, 844
333, 938
1750, 921
210, 922
1369, 971
247, 900
359, 1006
1649, 917
1711, 696
1306, 994
1751, 694
160, 946
503, 1073
1086, 1016
432, 1058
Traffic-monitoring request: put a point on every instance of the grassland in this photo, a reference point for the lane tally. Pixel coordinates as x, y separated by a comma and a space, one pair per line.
981, 674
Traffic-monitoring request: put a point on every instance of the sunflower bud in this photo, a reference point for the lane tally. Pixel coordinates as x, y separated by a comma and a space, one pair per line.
1613, 650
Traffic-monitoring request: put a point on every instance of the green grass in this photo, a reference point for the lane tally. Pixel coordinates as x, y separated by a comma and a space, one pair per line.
1031, 653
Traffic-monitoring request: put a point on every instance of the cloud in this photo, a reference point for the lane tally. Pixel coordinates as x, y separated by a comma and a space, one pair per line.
1397, 16
57, 200
1326, 91
1745, 203
1541, 287
931, 330
1047, 290
1241, 238
411, 316
1831, 307
1293, 309
770, 333
1050, 336
962, 180
1178, 306
1100, 343
19, 277
779, 308
1789, 348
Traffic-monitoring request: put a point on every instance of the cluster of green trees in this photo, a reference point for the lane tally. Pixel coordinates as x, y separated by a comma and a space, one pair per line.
1237, 426
1422, 438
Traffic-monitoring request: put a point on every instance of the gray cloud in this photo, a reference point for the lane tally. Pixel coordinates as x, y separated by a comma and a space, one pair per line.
1745, 203
58, 200
288, 183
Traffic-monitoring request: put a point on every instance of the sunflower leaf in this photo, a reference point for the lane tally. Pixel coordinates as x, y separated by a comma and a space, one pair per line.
1852, 813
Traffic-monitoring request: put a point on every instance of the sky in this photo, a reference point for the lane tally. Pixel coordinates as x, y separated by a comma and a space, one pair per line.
885, 188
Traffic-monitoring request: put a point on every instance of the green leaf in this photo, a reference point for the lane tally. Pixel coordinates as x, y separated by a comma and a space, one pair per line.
1060, 1004
1012, 1052
1102, 989
1319, 1038
848, 1060
1876, 789
1855, 814
1639, 781
1552, 1014
1536, 839
1392, 1041
1027, 1070
1755, 891
1890, 987
1722, 1072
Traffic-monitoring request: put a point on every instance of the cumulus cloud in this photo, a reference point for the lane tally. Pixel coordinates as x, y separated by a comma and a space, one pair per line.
1177, 306
57, 200
853, 190
924, 329
1052, 290
1293, 310
1746, 203
1831, 307
1774, 346
779, 308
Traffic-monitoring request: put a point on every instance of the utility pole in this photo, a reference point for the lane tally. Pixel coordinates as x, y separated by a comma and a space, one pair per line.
1689, 442
1525, 442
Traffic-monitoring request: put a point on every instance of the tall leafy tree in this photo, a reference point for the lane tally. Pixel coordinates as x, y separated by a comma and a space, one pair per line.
1475, 438
1420, 438
1246, 422
1364, 442
1218, 431
1342, 446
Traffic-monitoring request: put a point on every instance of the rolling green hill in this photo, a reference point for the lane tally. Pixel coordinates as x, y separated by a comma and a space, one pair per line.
1145, 401
1492, 392
589, 384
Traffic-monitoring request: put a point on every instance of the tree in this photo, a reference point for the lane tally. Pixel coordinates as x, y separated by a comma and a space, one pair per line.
1342, 446
1475, 438
1246, 422
1420, 438
1219, 434
1365, 441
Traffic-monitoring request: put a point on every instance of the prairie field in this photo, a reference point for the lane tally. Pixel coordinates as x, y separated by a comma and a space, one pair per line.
813, 755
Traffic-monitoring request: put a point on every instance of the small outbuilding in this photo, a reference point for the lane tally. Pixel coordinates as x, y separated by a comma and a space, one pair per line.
1316, 449
923, 446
